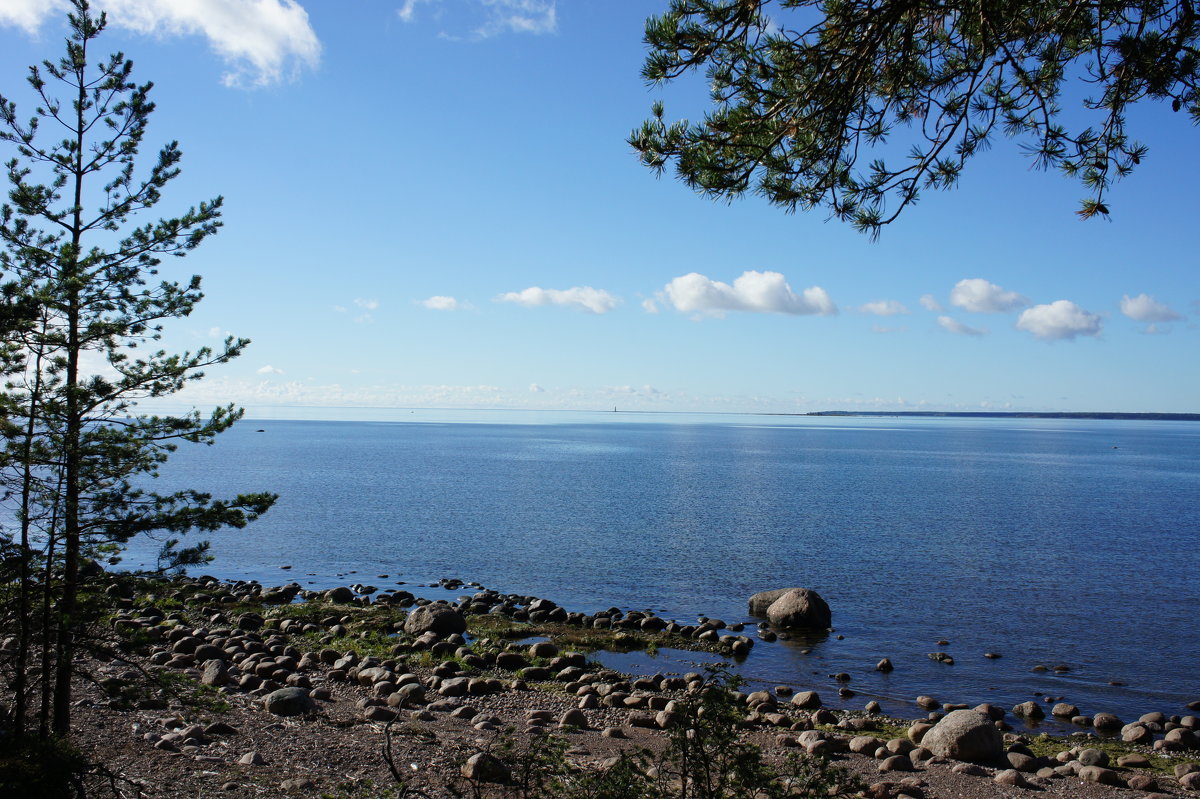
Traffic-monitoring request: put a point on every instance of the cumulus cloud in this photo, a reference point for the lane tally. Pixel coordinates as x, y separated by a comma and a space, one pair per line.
494, 17
440, 302
980, 296
883, 308
269, 370
29, 14
649, 306
1144, 308
754, 292
261, 41
584, 298
958, 328
534, 388
370, 305
930, 303
1059, 320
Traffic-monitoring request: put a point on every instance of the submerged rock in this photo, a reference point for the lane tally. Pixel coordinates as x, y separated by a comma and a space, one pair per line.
1029, 710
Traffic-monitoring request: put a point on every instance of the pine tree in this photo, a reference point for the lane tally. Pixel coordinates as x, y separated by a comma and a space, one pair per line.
79, 453
858, 106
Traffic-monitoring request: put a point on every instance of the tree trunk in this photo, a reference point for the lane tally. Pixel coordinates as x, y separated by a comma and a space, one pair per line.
64, 667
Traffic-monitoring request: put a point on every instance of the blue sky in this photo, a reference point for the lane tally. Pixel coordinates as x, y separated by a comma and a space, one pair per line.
432, 204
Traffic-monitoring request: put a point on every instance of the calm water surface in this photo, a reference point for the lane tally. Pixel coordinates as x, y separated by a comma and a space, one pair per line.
1074, 542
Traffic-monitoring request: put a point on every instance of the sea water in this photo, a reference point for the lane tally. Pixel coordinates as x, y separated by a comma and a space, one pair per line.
1049, 542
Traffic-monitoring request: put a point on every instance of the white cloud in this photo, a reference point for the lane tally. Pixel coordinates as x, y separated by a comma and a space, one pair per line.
1144, 308
29, 14
644, 392
534, 388
958, 328
755, 292
261, 41
339, 308
494, 17
407, 12
583, 298
440, 302
222, 389
520, 16
649, 306
930, 303
269, 370
883, 308
214, 332
370, 305
980, 296
1059, 320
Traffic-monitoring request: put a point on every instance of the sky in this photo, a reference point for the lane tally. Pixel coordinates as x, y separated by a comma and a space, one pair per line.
432, 204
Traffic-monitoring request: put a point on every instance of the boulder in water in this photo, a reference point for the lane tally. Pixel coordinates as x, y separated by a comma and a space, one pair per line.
799, 608
763, 600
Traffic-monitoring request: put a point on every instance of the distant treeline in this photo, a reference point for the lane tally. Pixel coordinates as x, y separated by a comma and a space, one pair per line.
1172, 417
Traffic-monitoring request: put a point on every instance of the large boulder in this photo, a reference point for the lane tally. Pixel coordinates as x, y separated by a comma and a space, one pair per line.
484, 767
763, 599
965, 735
289, 702
799, 607
442, 620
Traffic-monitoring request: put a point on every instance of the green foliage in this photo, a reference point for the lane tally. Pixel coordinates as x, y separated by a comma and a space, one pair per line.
84, 305
585, 639
859, 105
709, 759
1045, 745
187, 691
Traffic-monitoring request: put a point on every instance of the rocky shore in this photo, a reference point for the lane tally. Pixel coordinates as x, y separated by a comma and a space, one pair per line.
243, 690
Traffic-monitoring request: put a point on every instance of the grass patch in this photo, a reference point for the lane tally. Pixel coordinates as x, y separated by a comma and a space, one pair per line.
884, 730
569, 637
1046, 745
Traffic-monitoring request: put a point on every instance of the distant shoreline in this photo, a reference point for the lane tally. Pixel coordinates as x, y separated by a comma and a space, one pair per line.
1169, 417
